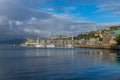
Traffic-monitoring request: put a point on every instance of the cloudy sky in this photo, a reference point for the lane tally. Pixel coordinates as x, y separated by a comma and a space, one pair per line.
45, 18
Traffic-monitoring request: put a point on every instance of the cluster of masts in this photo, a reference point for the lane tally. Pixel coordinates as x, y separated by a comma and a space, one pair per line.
49, 43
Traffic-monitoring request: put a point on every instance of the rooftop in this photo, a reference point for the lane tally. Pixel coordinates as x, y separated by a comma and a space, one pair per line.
115, 32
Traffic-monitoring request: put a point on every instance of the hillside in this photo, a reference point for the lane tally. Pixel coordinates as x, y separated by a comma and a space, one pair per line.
91, 34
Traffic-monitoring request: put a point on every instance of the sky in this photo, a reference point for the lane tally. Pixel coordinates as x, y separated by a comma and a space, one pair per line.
46, 18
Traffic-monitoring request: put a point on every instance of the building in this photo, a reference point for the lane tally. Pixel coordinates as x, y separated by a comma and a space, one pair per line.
110, 38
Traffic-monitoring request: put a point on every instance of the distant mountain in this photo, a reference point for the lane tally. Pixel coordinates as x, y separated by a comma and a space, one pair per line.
13, 41
86, 35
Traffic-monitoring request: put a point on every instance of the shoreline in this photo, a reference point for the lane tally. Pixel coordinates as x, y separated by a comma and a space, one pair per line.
107, 47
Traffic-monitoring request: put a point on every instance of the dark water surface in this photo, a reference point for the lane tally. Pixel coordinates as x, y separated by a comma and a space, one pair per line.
58, 64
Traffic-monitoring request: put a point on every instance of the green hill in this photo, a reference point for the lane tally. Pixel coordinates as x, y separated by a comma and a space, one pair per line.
107, 30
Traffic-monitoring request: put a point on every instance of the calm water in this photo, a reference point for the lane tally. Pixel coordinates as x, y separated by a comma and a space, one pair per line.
58, 64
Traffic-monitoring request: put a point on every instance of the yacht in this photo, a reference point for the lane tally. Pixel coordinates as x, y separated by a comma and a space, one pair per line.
39, 46
50, 46
68, 46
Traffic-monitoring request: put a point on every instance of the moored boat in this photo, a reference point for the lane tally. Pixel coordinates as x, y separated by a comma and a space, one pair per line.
39, 45
50, 46
68, 46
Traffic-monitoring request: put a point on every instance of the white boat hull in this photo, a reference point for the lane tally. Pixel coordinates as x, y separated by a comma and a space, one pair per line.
50, 46
39, 46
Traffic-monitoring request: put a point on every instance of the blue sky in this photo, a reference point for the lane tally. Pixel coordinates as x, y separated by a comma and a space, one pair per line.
91, 10
45, 18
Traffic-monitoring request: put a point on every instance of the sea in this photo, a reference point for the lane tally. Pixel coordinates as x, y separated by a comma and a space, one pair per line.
22, 63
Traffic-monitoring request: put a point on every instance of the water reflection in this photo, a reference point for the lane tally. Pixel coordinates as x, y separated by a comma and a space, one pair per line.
118, 57
59, 64
95, 55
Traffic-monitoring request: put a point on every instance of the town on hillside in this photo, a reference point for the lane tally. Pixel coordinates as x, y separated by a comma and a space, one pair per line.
99, 38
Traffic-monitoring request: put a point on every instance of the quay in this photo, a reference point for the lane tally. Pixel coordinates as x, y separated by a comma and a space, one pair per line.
107, 47
93, 44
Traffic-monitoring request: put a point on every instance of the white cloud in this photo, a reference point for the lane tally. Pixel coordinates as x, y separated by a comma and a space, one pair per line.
111, 7
3, 20
72, 27
63, 16
18, 20
18, 23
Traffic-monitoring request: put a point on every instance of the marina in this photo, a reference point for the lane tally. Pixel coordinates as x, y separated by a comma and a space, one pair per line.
49, 43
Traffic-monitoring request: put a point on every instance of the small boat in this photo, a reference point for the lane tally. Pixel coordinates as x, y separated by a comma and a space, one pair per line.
50, 46
39, 46
68, 46
13, 45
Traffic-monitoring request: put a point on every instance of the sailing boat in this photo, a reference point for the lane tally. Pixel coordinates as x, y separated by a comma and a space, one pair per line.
69, 45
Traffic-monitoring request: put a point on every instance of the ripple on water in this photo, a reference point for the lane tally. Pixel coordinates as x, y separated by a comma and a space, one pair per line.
58, 64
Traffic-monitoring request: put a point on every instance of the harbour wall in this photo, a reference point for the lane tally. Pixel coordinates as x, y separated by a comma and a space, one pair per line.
107, 47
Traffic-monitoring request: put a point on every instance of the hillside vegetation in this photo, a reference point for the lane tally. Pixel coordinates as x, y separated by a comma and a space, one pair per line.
91, 34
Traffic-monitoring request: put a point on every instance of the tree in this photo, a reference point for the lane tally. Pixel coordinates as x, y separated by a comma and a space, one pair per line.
118, 39
100, 39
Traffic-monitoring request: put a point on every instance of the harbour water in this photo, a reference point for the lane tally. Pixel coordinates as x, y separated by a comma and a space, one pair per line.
58, 64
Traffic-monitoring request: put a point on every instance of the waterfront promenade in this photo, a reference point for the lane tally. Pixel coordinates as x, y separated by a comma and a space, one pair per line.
92, 43
108, 47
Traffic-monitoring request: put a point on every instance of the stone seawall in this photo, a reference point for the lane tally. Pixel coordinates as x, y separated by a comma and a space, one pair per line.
108, 47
